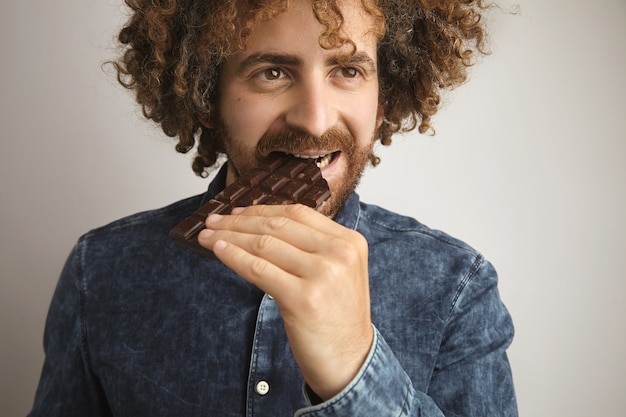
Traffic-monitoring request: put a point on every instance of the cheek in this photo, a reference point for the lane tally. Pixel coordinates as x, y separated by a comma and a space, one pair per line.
365, 122
245, 119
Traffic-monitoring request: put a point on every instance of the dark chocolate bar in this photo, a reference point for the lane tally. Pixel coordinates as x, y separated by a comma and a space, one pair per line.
279, 179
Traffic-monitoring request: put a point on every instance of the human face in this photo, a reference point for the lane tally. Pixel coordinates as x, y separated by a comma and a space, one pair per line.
285, 93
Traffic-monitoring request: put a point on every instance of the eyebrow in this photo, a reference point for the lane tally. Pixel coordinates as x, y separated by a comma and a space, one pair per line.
267, 58
360, 58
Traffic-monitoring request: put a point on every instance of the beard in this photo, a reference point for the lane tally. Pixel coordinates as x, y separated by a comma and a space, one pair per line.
242, 158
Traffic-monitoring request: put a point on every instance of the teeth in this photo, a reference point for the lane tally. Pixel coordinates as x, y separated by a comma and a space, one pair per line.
325, 160
322, 160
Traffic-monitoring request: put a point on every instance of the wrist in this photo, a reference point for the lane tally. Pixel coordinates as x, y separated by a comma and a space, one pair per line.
333, 376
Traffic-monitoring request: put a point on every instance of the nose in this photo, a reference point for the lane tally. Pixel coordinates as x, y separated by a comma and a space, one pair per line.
313, 108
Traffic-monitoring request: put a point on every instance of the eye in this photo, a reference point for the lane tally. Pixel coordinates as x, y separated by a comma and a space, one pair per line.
269, 78
349, 72
271, 74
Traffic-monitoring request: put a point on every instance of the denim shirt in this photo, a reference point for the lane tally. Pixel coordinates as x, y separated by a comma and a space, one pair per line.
139, 326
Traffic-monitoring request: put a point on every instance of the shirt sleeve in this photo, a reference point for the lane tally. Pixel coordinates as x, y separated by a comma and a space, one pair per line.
472, 376
67, 387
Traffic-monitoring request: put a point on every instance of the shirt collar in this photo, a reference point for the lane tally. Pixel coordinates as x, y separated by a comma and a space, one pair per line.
217, 184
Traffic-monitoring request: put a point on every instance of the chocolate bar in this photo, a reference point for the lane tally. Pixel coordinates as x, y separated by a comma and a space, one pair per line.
279, 179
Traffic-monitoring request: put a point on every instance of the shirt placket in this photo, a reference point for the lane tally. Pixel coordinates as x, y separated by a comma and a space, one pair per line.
273, 381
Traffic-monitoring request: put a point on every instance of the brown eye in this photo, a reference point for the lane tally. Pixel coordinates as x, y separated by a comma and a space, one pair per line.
272, 73
349, 72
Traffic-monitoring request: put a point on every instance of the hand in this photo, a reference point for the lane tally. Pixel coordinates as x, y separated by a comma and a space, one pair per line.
316, 270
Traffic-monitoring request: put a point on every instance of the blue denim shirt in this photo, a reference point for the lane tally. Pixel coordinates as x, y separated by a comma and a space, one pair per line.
139, 326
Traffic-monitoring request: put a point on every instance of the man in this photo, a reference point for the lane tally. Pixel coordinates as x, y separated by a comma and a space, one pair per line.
355, 311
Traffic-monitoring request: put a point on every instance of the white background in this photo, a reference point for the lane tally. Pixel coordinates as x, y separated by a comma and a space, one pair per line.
528, 165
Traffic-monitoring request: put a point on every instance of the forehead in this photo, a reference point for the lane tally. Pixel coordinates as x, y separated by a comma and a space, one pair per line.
333, 24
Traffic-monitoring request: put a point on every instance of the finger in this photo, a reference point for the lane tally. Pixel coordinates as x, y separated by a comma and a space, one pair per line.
297, 212
274, 250
297, 234
265, 275
305, 228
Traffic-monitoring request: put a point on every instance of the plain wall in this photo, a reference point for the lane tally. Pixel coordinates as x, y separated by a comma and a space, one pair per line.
528, 165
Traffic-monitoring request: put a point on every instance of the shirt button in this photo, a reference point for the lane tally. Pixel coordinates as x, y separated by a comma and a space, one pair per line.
262, 387
270, 297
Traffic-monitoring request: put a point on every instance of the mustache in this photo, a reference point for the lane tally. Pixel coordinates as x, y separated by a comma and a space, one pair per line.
297, 141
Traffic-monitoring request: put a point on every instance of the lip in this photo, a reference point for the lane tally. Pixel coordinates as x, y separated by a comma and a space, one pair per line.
309, 153
326, 170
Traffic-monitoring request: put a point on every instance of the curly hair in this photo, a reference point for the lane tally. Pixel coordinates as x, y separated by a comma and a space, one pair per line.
173, 51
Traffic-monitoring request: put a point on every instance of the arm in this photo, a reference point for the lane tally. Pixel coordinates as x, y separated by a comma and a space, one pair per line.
472, 376
67, 387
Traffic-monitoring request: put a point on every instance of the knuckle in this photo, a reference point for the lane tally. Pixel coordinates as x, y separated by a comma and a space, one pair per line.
276, 223
297, 211
359, 241
343, 247
328, 269
262, 243
351, 249
313, 301
235, 221
258, 268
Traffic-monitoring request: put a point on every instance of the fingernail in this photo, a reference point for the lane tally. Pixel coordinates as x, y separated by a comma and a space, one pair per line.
214, 218
219, 245
238, 210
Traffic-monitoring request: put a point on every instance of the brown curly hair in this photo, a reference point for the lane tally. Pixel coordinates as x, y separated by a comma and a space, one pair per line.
173, 51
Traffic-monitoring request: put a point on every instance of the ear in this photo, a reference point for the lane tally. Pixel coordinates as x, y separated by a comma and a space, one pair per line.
207, 122
380, 116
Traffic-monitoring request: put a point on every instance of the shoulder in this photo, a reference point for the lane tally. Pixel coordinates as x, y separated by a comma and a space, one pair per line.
408, 256
416, 271
145, 231
133, 255
168, 214
381, 224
